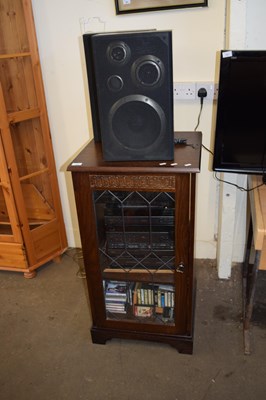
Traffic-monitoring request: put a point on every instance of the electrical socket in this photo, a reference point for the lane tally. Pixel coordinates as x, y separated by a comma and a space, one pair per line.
184, 90
216, 91
211, 89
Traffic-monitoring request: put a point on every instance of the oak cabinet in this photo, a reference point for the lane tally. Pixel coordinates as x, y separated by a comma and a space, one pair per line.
137, 230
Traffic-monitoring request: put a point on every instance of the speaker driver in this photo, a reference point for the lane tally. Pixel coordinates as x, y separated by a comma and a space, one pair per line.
115, 83
148, 71
118, 53
137, 122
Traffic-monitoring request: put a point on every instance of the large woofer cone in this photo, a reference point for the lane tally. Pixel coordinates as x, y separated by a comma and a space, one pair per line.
148, 71
137, 122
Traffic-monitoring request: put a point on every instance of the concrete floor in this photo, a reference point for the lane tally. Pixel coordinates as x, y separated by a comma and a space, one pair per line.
46, 350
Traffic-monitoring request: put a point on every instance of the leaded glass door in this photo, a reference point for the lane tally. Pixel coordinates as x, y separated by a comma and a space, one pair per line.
136, 238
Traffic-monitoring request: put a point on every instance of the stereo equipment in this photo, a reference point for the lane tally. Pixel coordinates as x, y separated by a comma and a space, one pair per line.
139, 227
114, 216
140, 240
131, 93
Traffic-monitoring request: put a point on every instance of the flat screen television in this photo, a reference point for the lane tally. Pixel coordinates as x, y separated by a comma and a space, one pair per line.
240, 136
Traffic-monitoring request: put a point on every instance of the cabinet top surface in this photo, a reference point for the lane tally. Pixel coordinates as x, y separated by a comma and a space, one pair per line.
186, 159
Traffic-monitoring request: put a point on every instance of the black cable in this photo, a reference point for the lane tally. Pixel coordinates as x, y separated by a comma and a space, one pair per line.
77, 256
201, 106
238, 187
206, 148
201, 94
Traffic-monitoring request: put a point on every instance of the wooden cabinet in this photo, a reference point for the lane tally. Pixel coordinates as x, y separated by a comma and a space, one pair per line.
137, 229
31, 223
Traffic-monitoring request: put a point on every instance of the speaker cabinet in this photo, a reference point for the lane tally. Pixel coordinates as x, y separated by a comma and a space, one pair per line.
131, 92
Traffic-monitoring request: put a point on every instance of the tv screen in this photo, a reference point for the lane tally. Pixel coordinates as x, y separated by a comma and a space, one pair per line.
240, 136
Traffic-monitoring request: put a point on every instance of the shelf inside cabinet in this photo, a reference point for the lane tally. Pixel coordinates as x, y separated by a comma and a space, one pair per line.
140, 302
163, 276
24, 115
38, 209
14, 55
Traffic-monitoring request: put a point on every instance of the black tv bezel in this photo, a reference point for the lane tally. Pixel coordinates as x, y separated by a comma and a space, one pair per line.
218, 164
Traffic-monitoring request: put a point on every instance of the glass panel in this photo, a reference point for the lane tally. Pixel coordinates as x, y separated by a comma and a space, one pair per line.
29, 146
13, 34
136, 237
38, 200
135, 230
5, 226
17, 84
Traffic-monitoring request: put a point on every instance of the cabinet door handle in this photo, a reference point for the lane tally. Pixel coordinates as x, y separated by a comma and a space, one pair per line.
180, 268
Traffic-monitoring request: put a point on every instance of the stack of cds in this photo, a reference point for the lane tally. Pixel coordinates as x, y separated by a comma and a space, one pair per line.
116, 297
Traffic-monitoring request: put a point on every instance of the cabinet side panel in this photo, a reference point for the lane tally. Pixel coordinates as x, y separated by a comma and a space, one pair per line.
87, 226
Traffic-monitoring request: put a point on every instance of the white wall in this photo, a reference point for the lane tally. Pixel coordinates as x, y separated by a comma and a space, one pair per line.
198, 33
255, 25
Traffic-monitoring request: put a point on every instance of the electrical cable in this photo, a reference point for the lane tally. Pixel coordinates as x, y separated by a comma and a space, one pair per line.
76, 255
206, 148
201, 107
238, 187
201, 94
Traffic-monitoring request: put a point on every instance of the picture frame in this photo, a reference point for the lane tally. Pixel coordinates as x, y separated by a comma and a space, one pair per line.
136, 6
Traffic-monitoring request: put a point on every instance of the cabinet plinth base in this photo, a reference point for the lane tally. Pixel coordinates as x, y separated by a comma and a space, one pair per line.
183, 344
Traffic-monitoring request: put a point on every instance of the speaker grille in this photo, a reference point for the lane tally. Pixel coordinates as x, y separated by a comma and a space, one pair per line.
137, 122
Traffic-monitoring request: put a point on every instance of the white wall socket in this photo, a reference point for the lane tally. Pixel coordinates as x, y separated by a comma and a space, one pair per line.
184, 90
189, 90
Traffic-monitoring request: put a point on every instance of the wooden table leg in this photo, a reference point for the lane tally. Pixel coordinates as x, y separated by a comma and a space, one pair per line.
250, 274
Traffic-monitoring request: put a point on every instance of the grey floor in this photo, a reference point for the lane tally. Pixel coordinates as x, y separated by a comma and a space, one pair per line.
46, 350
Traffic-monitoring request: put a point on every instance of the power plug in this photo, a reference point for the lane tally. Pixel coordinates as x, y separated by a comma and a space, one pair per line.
202, 92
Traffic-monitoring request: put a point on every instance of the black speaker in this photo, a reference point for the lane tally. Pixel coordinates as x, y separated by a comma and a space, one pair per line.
131, 92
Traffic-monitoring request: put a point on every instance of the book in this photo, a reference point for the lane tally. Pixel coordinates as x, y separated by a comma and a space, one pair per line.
143, 311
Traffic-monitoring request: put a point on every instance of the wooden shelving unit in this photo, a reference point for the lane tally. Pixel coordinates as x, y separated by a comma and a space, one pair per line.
32, 229
136, 223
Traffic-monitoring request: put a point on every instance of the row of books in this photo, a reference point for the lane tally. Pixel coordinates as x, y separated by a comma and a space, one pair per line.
146, 299
150, 294
150, 299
